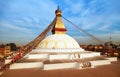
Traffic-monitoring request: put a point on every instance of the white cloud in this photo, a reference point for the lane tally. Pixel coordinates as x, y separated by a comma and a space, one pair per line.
104, 27
9, 26
27, 20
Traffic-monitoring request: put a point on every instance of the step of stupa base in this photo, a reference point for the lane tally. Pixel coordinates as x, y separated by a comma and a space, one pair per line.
57, 66
27, 65
74, 56
59, 56
99, 62
112, 59
89, 55
38, 56
64, 65
76, 65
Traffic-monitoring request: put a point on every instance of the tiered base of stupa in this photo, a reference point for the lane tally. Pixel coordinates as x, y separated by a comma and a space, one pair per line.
62, 60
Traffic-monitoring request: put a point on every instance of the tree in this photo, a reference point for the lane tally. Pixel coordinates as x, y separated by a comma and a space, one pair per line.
13, 46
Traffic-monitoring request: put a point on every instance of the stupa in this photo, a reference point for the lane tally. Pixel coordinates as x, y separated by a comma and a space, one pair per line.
59, 41
62, 48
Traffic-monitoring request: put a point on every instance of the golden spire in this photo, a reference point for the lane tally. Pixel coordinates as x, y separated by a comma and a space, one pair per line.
59, 27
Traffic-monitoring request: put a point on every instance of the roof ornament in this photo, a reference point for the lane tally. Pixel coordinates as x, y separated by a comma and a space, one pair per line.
58, 8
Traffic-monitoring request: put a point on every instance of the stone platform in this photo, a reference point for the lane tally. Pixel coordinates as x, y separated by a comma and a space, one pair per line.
55, 61
63, 55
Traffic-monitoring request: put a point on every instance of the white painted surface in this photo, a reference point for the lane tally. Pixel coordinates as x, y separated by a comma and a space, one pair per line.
57, 50
100, 62
88, 55
58, 41
96, 53
61, 66
112, 59
38, 56
59, 57
74, 56
7, 61
27, 65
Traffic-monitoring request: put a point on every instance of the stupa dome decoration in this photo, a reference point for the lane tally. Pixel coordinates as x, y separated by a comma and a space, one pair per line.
58, 41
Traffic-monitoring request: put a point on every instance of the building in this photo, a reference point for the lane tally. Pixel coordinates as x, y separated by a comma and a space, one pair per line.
1, 52
5, 51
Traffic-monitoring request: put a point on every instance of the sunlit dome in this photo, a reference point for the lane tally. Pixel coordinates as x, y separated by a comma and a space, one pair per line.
58, 41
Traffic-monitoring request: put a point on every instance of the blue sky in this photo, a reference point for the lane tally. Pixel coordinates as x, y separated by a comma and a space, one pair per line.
23, 20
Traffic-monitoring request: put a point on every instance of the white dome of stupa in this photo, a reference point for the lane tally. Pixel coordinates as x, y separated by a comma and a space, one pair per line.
58, 41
